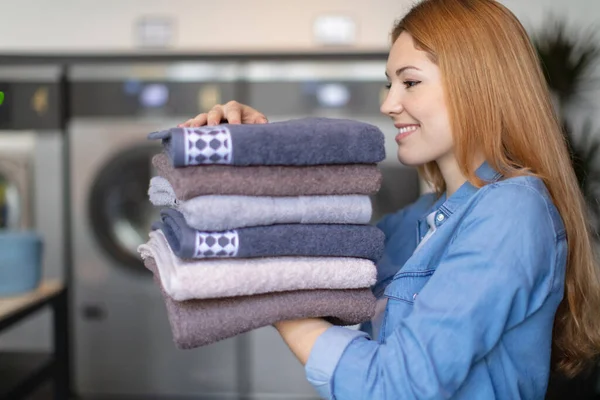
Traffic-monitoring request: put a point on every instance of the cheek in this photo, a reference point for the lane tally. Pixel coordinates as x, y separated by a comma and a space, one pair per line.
436, 135
428, 109
439, 119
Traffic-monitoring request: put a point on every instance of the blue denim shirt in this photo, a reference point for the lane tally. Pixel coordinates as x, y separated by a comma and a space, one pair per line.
468, 316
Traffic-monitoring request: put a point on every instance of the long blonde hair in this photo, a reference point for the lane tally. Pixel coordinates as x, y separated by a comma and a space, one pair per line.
499, 104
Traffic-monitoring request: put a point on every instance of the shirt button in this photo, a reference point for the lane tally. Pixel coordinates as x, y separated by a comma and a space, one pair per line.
440, 217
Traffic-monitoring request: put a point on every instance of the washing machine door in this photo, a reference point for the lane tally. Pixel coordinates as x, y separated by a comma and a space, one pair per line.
16, 180
10, 208
119, 212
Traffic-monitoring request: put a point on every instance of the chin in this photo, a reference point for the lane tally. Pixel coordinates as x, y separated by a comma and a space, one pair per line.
411, 161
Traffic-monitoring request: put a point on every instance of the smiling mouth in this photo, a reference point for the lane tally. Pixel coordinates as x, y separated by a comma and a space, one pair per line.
405, 131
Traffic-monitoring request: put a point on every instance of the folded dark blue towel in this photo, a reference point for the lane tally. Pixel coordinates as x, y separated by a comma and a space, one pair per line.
306, 141
330, 240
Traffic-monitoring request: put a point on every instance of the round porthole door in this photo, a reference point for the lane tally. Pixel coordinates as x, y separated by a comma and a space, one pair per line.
120, 211
10, 206
16, 183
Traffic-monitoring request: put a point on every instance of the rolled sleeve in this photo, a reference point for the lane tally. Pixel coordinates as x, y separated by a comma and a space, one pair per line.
325, 355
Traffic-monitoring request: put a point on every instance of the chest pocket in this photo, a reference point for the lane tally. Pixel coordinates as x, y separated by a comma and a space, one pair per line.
406, 286
401, 294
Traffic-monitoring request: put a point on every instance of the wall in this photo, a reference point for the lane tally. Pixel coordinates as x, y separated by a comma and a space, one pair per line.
224, 25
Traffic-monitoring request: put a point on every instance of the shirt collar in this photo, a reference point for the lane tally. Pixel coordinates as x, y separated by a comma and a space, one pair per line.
447, 206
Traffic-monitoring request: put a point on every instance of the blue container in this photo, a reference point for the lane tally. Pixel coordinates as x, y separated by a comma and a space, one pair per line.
20, 262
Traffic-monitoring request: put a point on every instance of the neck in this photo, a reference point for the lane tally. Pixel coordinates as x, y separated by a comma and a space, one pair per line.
453, 176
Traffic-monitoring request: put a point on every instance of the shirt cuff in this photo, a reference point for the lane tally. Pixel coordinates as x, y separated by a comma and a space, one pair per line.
325, 355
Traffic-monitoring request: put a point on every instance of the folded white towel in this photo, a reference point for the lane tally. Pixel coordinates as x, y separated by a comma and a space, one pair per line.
221, 213
203, 279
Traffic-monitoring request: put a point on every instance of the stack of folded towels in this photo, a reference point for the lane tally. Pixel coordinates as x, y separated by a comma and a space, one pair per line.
263, 223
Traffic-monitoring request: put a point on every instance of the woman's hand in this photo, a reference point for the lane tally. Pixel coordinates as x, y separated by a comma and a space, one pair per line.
231, 112
301, 334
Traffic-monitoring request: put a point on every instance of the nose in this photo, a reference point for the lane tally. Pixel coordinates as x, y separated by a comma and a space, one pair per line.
391, 104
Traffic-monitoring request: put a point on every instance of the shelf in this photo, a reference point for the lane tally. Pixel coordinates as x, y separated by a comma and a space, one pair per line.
13, 308
22, 373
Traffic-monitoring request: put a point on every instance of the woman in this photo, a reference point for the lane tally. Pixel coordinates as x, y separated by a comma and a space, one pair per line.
472, 306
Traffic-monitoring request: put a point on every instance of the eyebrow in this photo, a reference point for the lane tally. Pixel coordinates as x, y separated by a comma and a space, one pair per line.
401, 70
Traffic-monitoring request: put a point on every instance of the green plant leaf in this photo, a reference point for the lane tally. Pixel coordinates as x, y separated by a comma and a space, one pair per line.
567, 58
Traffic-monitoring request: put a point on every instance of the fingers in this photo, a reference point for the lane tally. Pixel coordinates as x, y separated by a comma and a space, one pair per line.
186, 124
233, 112
199, 120
260, 119
215, 115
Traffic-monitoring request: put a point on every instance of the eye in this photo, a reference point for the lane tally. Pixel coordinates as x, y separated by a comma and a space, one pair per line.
388, 86
410, 84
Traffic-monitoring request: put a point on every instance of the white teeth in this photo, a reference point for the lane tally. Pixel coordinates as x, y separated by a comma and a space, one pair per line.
407, 129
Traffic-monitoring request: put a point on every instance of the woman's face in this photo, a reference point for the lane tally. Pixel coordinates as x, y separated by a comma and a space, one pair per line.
416, 103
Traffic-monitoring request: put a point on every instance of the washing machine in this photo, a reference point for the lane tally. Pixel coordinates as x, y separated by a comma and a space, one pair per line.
30, 110
32, 179
123, 345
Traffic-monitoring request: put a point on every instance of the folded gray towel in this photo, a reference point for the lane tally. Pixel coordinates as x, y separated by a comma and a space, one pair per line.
305, 141
160, 192
274, 180
196, 323
221, 213
335, 240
